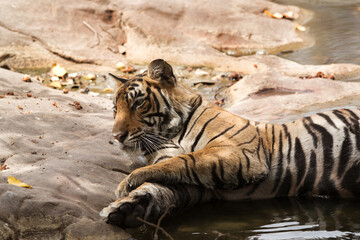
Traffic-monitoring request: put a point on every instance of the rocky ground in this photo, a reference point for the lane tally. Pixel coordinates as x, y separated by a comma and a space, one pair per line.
65, 153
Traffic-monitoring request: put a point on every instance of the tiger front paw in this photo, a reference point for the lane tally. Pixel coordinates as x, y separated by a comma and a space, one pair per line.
130, 183
125, 211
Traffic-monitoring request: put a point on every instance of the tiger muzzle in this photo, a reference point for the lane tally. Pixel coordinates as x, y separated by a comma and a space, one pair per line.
121, 136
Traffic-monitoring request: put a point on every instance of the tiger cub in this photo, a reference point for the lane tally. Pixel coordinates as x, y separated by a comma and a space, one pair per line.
196, 151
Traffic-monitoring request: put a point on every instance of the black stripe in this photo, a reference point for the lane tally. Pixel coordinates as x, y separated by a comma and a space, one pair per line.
196, 120
300, 161
159, 148
163, 97
220, 134
247, 160
247, 141
356, 131
215, 178
162, 158
241, 180
310, 176
351, 180
198, 102
186, 168
313, 135
247, 124
345, 153
326, 185
340, 116
279, 167
328, 119
273, 138
192, 158
156, 102
221, 166
288, 136
352, 114
193, 169
285, 185
202, 132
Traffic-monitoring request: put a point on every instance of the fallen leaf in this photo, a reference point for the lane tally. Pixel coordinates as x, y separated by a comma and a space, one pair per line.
26, 78
108, 90
66, 91
120, 65
300, 28
58, 70
28, 95
277, 15
3, 167
128, 69
20, 107
56, 84
289, 15
10, 93
358, 8
255, 66
55, 104
90, 76
17, 182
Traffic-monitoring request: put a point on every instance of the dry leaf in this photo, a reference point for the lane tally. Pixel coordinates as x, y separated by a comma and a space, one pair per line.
58, 70
120, 65
90, 76
20, 107
56, 84
3, 167
300, 28
17, 182
26, 78
108, 90
277, 15
289, 14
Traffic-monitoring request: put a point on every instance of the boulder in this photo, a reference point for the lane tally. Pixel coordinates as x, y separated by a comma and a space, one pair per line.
200, 33
275, 97
64, 154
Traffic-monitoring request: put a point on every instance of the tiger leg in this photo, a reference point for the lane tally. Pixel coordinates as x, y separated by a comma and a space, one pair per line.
150, 201
209, 168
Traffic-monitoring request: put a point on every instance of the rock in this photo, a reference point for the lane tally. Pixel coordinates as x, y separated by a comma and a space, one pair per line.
275, 97
82, 33
74, 173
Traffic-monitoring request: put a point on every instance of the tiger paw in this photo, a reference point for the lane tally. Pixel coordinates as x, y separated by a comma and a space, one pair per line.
125, 211
130, 183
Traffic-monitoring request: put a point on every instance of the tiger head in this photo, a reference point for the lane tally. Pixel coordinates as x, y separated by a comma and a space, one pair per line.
149, 109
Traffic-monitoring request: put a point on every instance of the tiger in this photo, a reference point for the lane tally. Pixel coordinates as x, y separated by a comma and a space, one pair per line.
196, 151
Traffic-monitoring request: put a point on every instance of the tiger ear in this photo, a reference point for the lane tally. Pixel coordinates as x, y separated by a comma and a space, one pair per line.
161, 71
122, 80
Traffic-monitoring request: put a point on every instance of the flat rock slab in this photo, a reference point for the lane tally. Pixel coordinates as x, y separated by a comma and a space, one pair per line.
64, 154
275, 97
39, 33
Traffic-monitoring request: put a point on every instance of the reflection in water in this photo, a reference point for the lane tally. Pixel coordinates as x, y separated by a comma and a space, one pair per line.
282, 218
335, 28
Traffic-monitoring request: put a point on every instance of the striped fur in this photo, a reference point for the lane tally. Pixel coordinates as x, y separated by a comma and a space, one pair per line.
196, 151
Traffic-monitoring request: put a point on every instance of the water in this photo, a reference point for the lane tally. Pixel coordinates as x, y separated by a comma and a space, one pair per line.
282, 218
335, 27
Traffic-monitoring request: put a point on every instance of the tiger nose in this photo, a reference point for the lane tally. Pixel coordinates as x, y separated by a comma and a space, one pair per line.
121, 136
